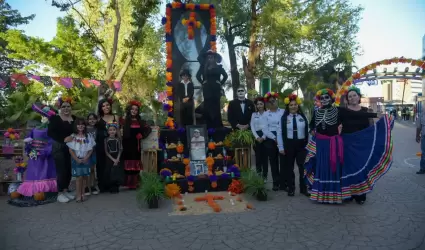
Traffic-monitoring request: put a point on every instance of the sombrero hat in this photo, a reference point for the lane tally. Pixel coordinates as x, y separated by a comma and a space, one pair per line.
203, 56
44, 110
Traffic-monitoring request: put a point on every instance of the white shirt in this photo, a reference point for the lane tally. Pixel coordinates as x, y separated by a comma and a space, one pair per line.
258, 123
185, 87
243, 105
273, 120
290, 129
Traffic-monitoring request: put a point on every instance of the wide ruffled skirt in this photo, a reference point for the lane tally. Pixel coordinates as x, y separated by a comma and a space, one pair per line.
40, 177
366, 157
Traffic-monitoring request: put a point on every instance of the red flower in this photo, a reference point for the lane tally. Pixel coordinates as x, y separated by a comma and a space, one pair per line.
135, 103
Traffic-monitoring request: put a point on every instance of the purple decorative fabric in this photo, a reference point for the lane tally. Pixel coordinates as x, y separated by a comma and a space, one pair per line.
40, 176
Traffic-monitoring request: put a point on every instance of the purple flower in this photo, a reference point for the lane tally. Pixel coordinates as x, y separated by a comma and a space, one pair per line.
213, 178
211, 131
191, 178
165, 173
225, 176
181, 130
165, 106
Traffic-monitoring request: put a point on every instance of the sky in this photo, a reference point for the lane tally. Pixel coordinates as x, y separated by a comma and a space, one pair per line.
387, 29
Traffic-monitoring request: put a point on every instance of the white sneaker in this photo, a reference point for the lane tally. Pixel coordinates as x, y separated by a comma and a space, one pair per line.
70, 196
87, 194
62, 198
95, 190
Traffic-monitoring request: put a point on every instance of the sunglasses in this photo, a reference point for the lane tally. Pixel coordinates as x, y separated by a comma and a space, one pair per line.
241, 91
65, 106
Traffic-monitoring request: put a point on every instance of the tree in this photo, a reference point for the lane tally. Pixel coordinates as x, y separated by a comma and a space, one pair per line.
68, 54
233, 15
303, 40
103, 23
9, 18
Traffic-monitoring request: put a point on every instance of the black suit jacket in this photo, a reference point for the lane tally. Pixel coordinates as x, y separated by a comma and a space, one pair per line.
181, 91
235, 115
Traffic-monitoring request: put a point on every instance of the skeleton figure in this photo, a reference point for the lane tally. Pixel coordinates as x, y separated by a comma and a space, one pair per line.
327, 115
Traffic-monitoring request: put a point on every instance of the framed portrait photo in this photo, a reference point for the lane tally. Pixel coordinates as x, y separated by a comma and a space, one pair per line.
197, 139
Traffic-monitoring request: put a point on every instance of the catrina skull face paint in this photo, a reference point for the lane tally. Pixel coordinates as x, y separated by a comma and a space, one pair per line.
325, 100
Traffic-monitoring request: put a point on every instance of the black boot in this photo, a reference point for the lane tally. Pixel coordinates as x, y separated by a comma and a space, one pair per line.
303, 190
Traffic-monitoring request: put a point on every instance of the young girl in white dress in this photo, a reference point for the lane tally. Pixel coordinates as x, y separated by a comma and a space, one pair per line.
81, 148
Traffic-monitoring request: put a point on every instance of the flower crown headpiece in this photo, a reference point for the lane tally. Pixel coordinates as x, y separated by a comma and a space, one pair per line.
112, 124
292, 97
354, 88
135, 103
324, 92
63, 99
270, 95
260, 99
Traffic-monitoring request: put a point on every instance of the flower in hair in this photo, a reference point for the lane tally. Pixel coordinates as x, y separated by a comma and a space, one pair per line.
270, 95
135, 103
112, 124
324, 92
292, 97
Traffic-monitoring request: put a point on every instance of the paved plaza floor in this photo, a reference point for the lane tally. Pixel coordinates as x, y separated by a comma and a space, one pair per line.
393, 218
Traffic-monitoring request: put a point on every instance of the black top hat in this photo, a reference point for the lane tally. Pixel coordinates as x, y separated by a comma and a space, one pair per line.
185, 72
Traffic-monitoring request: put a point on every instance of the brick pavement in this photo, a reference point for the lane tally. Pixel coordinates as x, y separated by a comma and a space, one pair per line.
393, 218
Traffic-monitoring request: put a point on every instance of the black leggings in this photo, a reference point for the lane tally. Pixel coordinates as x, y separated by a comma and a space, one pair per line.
62, 160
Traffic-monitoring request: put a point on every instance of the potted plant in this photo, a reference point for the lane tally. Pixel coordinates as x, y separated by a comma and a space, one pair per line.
151, 190
241, 138
254, 184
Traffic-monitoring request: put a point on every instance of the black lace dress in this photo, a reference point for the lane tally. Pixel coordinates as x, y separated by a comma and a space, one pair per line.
101, 134
113, 175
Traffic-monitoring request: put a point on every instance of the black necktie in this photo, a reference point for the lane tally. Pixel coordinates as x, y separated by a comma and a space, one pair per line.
294, 122
242, 102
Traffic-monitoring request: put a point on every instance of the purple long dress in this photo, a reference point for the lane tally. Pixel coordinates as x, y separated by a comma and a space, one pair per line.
40, 176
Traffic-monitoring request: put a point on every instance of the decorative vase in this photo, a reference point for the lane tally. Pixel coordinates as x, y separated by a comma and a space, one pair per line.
19, 176
153, 203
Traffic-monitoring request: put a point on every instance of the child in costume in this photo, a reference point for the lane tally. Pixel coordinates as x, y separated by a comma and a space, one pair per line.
114, 171
41, 171
81, 148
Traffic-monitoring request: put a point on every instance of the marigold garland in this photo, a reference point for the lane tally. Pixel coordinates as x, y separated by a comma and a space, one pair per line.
210, 199
235, 187
211, 145
180, 148
363, 71
172, 190
168, 106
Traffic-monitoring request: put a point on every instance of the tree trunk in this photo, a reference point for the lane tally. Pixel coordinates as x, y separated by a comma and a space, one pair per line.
233, 69
254, 49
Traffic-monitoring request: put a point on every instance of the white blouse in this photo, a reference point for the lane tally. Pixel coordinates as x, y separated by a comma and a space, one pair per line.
258, 123
81, 145
273, 120
301, 123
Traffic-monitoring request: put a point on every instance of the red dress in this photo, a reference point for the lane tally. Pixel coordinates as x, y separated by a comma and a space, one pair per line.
132, 151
